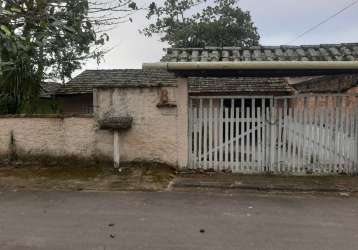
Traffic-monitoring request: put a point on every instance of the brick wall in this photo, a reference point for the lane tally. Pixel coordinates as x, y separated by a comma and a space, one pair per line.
353, 90
325, 84
54, 136
328, 101
159, 132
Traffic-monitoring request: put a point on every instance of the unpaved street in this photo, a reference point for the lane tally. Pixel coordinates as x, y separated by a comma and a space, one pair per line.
172, 220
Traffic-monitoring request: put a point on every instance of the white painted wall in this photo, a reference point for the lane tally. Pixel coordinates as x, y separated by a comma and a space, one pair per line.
54, 136
159, 133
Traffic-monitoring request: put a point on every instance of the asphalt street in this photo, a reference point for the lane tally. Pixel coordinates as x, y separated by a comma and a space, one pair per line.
174, 220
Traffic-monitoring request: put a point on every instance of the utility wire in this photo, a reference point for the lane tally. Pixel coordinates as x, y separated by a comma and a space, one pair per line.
324, 21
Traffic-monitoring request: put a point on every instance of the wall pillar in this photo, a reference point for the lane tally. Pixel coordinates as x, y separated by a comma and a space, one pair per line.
182, 98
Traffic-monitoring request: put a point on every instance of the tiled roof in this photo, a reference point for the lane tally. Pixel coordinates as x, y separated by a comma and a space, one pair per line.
259, 85
87, 80
48, 89
322, 52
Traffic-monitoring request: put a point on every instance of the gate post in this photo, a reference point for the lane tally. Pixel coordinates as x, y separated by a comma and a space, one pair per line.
182, 97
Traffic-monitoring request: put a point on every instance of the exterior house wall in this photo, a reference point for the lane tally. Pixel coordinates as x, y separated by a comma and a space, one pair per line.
327, 101
158, 133
326, 85
352, 101
353, 90
331, 84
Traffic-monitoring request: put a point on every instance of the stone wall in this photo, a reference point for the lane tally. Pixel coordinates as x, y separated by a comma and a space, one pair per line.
55, 136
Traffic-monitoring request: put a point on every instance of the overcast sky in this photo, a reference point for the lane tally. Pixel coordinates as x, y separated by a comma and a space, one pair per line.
278, 22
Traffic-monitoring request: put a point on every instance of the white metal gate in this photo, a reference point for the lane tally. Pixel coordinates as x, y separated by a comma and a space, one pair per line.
305, 134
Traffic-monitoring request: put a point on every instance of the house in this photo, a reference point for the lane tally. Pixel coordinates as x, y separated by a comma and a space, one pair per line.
321, 85
237, 121
271, 134
232, 109
77, 95
303, 67
243, 110
325, 84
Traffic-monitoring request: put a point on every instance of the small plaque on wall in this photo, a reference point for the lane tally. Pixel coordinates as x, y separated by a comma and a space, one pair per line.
165, 101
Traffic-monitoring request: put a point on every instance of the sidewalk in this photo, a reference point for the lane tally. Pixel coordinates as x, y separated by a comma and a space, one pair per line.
157, 177
267, 182
131, 177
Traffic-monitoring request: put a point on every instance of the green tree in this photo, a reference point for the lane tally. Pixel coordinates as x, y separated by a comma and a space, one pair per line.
50, 39
185, 23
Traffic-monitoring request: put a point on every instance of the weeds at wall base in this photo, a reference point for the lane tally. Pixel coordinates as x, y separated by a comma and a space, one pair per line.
18, 160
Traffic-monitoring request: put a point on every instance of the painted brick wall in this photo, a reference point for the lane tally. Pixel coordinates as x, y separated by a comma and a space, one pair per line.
349, 103
326, 84
54, 136
158, 133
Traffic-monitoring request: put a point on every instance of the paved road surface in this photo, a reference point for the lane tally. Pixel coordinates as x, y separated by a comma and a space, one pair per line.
154, 221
